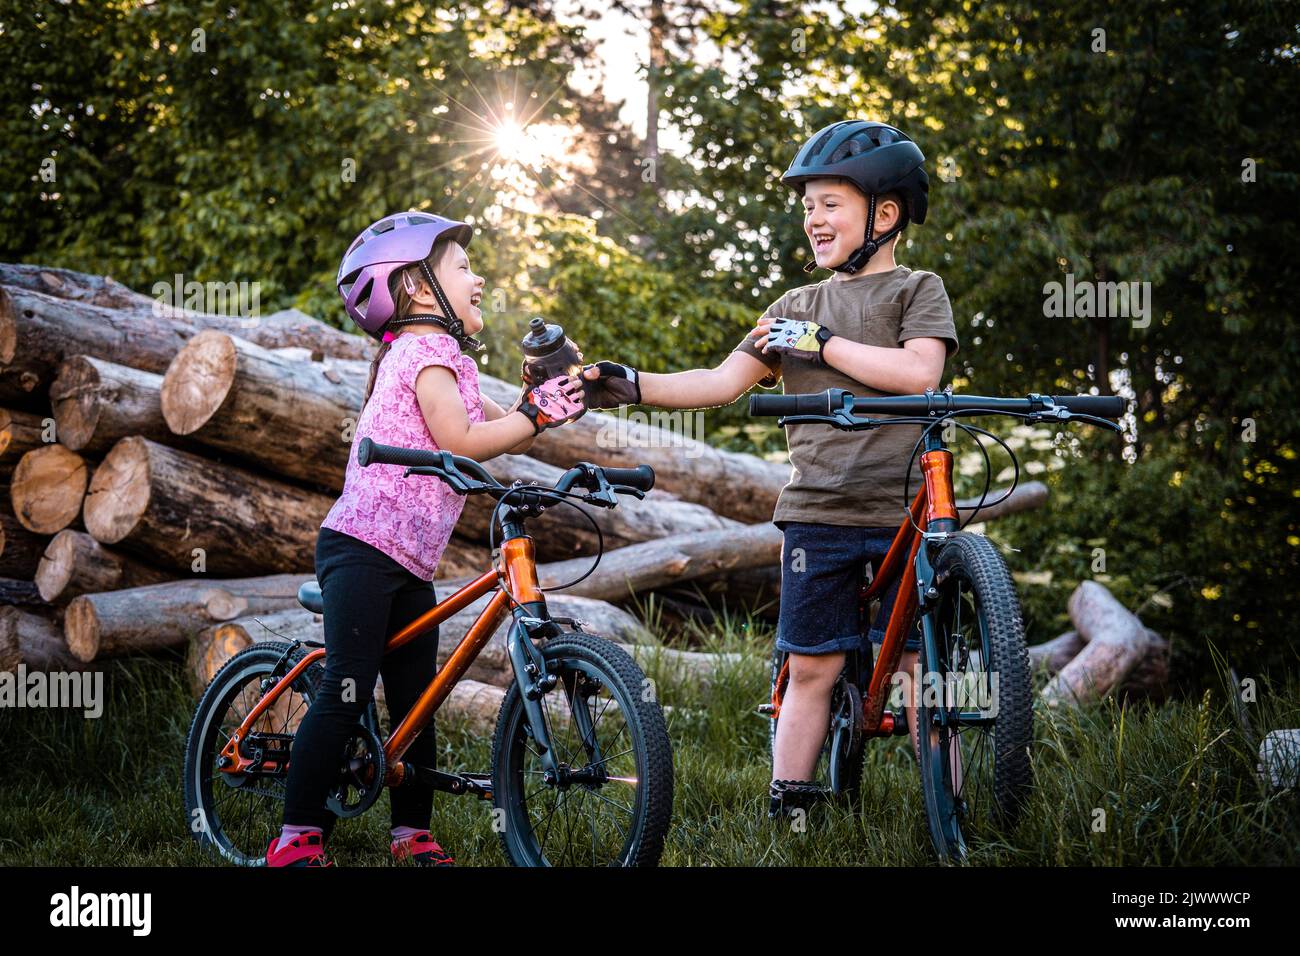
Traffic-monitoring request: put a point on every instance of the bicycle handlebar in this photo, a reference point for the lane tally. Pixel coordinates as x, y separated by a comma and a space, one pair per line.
453, 469
834, 400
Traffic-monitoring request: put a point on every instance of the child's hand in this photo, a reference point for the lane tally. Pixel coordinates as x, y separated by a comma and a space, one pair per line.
610, 385
796, 339
760, 333
553, 403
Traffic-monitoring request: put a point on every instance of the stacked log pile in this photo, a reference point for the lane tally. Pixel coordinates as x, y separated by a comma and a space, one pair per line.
164, 473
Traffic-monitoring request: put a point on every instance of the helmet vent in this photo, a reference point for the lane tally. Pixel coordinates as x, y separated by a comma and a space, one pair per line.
821, 141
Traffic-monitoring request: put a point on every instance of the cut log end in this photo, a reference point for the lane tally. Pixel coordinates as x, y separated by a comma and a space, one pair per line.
198, 381
56, 567
81, 629
74, 397
48, 488
119, 492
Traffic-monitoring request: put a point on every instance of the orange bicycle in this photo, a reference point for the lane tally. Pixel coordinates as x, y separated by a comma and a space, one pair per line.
974, 706
581, 763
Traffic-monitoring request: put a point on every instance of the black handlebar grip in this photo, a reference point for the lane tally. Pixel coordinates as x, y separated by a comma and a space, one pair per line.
1102, 406
372, 453
642, 477
815, 403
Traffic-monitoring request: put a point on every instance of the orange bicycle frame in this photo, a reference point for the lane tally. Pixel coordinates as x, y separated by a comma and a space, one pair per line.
519, 568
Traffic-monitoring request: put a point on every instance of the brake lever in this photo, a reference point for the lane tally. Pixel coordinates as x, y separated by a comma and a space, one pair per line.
841, 420
451, 475
628, 490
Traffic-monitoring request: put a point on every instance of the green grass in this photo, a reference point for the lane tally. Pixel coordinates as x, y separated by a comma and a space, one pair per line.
1176, 784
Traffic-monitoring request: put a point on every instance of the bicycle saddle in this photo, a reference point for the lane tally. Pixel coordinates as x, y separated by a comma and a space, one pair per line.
309, 596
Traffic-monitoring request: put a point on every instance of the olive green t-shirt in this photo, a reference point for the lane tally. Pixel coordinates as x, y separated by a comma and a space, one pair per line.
854, 478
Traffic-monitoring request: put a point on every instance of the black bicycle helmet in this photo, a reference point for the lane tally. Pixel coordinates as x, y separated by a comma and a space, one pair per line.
876, 158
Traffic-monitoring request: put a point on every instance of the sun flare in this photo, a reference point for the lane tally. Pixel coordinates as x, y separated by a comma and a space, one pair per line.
511, 140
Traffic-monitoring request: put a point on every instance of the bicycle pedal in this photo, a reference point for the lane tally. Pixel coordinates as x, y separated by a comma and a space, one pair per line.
766, 710
787, 796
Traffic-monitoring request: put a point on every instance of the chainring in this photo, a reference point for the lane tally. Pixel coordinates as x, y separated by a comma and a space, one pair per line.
361, 774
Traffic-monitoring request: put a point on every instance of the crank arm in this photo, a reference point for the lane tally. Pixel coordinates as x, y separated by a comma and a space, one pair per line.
479, 784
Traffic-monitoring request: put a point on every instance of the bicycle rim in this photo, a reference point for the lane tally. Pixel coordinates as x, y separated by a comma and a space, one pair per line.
975, 704
609, 807
238, 821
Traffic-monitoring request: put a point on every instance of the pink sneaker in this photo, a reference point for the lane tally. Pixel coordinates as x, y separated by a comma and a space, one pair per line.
422, 850
306, 849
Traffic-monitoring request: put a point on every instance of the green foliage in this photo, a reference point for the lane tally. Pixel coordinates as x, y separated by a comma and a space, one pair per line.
222, 154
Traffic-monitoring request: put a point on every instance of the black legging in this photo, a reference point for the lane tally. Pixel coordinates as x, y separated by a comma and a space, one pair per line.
368, 596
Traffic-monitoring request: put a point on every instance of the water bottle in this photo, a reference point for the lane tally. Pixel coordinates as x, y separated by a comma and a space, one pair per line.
548, 352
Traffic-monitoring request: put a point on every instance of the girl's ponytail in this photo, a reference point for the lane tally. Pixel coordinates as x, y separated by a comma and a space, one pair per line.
374, 370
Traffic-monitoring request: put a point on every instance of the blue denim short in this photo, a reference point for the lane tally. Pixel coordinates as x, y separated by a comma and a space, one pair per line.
822, 568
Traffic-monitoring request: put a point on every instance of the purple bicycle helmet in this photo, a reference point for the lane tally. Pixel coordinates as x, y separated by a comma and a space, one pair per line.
383, 248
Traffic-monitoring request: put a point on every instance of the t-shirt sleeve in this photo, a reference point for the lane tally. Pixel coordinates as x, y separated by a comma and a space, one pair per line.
928, 314
770, 359
431, 349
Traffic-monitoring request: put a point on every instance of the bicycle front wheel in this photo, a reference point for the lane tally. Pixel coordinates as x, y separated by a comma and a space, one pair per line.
975, 709
611, 800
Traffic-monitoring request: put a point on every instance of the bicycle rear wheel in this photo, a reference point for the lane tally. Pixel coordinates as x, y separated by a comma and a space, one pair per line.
235, 816
976, 708
611, 802
840, 762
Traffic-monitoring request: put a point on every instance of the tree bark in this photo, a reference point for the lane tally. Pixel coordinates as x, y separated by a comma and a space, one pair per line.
228, 393
21, 592
214, 645
38, 641
37, 332
286, 328
462, 559
75, 563
1116, 642
1055, 654
166, 615
664, 561
96, 403
11, 654
696, 555
20, 549
77, 286
163, 504
48, 487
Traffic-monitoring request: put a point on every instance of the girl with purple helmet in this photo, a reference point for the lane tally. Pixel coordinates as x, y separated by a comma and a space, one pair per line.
406, 282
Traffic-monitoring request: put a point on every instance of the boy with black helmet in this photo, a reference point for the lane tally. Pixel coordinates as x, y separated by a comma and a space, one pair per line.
874, 328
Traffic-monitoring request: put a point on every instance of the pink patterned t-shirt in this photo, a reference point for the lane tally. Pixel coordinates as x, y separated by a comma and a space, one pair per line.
409, 519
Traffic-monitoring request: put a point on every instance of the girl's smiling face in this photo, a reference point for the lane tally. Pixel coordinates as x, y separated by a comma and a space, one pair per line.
464, 289
835, 219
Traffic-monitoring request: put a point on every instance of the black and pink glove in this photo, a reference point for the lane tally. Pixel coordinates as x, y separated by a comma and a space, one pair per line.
555, 402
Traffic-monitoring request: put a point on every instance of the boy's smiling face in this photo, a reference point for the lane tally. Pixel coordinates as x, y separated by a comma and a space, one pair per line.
835, 219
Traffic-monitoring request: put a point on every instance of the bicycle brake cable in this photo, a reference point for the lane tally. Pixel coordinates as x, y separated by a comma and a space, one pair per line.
556, 496
988, 467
